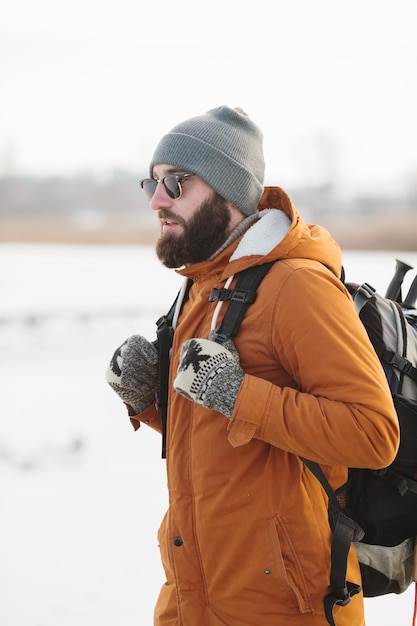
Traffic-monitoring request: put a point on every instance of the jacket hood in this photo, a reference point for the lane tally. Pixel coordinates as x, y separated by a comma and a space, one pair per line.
279, 233
265, 240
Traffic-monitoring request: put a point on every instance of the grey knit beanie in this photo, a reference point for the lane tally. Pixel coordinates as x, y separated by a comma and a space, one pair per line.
224, 148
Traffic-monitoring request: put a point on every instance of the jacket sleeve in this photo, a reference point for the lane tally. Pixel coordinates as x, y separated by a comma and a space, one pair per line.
340, 410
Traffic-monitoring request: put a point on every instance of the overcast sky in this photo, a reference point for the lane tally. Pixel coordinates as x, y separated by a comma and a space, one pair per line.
93, 84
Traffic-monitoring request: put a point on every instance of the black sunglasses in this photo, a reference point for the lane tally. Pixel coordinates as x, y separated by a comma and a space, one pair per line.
171, 182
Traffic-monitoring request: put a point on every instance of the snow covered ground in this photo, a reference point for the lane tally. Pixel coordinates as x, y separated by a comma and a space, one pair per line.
81, 494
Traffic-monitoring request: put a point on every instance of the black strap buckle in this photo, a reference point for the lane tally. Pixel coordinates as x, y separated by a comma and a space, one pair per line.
233, 295
339, 597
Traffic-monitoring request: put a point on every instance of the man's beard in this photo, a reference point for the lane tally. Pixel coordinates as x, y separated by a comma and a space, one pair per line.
203, 234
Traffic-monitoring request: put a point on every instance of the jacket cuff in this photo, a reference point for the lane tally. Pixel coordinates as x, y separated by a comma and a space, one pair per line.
249, 411
151, 417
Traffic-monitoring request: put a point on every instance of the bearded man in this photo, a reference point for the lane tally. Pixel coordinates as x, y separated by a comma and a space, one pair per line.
246, 539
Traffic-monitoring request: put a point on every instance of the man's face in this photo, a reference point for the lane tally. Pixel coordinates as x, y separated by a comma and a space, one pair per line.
193, 226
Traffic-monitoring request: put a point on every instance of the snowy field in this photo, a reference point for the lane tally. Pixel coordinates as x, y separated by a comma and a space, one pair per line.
81, 494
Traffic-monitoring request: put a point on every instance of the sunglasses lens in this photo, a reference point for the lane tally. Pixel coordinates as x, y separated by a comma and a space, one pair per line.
172, 186
148, 185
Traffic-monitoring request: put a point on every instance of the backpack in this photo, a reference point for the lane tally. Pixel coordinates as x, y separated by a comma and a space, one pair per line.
374, 510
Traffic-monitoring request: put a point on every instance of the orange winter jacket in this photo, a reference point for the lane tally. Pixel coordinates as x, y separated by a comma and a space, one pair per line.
246, 539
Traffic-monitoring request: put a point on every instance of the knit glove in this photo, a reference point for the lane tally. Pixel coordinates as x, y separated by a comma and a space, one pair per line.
209, 374
133, 373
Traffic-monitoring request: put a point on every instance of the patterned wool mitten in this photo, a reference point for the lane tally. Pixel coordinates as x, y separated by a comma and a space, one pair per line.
133, 373
209, 374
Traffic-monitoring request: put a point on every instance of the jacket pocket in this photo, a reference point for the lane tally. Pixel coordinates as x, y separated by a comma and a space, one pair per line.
286, 553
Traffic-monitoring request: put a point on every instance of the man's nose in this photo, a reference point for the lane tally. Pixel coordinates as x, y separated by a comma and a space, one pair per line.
160, 199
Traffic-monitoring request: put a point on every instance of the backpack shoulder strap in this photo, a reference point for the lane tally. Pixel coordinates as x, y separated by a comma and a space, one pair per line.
239, 299
165, 332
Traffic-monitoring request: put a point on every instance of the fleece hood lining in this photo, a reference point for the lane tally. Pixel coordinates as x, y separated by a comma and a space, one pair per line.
264, 235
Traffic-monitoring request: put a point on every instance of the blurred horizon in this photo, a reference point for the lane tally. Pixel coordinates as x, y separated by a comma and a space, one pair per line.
112, 209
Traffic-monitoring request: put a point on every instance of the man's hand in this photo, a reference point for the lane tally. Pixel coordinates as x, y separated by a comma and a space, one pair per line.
209, 374
133, 373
